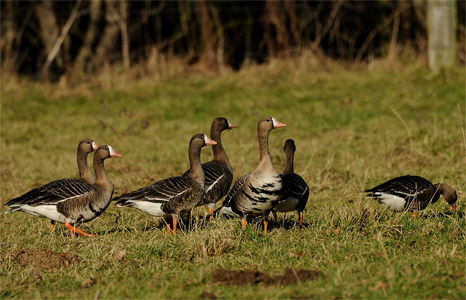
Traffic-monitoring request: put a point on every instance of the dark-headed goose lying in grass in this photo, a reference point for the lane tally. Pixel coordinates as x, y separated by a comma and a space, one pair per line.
218, 172
295, 190
254, 193
411, 193
71, 200
175, 195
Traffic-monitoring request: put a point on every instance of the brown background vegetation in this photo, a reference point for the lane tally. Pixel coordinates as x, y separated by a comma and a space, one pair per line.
49, 39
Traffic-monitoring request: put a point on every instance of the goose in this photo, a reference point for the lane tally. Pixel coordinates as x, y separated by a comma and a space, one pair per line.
175, 195
218, 172
71, 200
254, 193
295, 191
411, 193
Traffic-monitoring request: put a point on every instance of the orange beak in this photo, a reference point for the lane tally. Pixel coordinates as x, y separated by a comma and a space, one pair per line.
232, 126
453, 207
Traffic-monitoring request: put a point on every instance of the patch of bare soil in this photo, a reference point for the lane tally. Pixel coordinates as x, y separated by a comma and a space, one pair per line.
45, 258
291, 276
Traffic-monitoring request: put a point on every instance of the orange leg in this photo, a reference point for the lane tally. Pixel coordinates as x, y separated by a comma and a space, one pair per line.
52, 224
416, 214
211, 211
266, 222
78, 231
168, 228
244, 223
175, 222
300, 217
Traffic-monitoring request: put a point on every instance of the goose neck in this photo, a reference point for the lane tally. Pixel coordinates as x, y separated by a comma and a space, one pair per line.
195, 169
289, 163
83, 167
218, 150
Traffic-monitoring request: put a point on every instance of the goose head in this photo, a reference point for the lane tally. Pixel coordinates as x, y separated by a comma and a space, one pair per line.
268, 124
289, 146
106, 151
200, 140
448, 193
87, 146
220, 124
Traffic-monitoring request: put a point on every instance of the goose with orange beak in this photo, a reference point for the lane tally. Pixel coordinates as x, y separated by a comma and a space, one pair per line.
253, 194
174, 196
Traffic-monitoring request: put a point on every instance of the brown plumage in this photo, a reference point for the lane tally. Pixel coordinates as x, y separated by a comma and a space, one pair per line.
175, 195
84, 148
295, 192
70, 200
254, 193
218, 172
411, 193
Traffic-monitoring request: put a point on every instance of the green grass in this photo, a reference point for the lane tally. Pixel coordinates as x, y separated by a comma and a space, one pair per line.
353, 129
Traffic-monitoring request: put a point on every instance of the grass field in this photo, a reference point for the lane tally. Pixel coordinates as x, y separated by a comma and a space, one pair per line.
353, 129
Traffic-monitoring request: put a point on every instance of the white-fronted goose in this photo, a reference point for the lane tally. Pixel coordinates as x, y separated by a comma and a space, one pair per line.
254, 193
295, 191
71, 200
175, 195
218, 172
411, 193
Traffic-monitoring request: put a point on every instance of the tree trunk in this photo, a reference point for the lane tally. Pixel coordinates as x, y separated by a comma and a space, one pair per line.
208, 51
89, 38
441, 18
8, 38
48, 27
109, 38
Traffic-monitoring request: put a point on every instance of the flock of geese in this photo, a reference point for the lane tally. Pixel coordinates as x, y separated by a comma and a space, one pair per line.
255, 194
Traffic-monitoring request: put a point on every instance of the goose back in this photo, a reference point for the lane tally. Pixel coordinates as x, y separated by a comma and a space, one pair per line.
405, 193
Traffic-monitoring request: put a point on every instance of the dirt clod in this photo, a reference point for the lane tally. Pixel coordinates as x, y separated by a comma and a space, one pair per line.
244, 277
207, 295
45, 258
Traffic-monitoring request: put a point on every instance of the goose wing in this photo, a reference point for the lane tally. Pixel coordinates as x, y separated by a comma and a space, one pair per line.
404, 186
53, 193
295, 186
170, 189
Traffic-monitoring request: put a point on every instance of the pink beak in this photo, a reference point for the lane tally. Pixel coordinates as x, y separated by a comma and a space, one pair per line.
210, 142
232, 126
116, 154
278, 124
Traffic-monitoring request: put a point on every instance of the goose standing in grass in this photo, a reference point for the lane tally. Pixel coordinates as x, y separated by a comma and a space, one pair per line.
218, 172
295, 192
254, 193
175, 195
71, 200
411, 193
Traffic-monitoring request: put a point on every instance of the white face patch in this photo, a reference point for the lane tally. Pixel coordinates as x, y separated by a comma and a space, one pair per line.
229, 124
206, 139
94, 146
112, 152
274, 122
